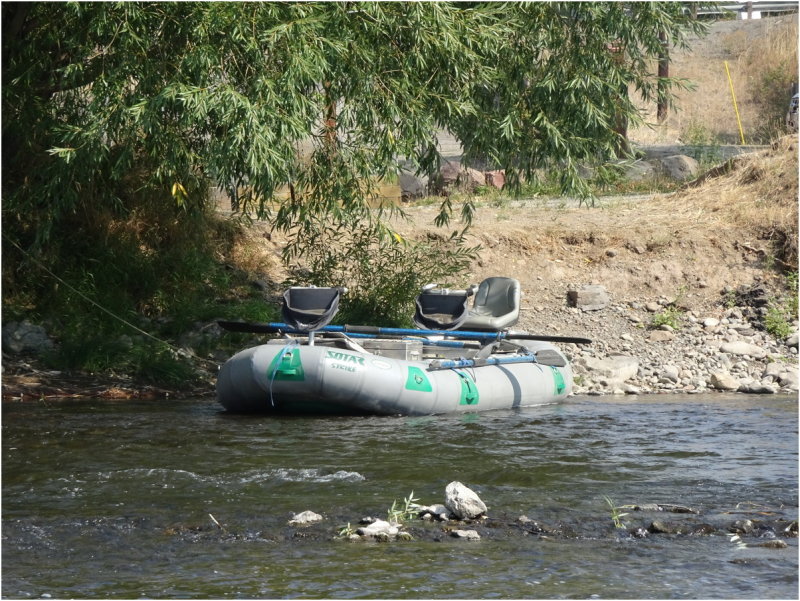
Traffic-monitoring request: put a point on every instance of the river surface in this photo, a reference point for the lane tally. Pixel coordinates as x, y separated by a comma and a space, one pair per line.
180, 500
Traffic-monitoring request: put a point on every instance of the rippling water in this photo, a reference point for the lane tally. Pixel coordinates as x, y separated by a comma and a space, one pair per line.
115, 500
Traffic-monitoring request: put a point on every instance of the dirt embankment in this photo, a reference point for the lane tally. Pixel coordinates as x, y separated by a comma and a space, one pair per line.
729, 231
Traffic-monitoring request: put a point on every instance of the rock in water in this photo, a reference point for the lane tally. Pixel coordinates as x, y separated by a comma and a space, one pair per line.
304, 518
379, 529
463, 502
470, 534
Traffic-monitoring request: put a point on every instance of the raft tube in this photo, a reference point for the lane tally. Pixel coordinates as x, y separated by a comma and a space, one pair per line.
297, 378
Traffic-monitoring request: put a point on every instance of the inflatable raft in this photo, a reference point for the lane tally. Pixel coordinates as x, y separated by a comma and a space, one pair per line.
325, 369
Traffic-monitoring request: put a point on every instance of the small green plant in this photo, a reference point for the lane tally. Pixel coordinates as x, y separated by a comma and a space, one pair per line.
729, 299
399, 513
346, 531
782, 311
670, 316
776, 322
616, 515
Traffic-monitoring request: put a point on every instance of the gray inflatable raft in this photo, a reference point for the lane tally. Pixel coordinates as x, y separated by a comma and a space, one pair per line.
387, 377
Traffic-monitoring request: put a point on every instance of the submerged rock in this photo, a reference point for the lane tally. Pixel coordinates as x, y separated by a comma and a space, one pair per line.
466, 534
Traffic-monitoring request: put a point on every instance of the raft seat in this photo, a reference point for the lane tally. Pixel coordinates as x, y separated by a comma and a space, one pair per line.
310, 308
496, 305
441, 309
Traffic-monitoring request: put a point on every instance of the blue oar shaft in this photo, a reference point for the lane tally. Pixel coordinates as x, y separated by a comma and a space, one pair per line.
442, 343
485, 337
457, 363
381, 331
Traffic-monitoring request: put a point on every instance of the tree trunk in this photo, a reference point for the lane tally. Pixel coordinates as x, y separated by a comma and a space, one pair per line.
663, 72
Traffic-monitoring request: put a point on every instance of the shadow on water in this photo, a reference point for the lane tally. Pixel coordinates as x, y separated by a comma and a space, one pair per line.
180, 500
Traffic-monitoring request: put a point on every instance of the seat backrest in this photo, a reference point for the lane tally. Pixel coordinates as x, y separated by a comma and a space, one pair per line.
496, 305
438, 311
309, 309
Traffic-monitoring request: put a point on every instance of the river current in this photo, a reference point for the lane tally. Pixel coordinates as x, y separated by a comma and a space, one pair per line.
176, 499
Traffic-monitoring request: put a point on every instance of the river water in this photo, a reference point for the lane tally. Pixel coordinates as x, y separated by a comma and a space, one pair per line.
119, 500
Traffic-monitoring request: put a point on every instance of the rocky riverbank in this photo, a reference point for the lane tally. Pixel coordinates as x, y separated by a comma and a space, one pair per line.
636, 351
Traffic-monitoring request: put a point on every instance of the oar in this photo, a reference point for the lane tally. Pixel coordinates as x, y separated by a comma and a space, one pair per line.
256, 328
425, 341
457, 363
271, 328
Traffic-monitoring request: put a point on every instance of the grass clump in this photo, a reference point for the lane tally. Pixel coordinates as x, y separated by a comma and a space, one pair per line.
783, 311
670, 316
403, 512
616, 513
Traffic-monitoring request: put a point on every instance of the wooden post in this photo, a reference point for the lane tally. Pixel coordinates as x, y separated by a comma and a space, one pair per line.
621, 120
330, 118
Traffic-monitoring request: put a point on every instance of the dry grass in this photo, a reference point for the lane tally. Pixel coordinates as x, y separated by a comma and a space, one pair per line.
762, 57
759, 195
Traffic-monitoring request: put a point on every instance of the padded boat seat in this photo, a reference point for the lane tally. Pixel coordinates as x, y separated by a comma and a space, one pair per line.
438, 310
496, 305
309, 309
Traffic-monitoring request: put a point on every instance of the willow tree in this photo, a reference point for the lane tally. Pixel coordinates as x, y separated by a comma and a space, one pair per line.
104, 103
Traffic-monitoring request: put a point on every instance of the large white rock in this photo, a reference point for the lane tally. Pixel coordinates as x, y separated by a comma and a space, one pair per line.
679, 167
304, 518
742, 348
616, 369
463, 502
723, 381
379, 528
789, 379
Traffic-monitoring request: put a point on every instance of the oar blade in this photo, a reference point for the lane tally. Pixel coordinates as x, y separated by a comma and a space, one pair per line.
550, 357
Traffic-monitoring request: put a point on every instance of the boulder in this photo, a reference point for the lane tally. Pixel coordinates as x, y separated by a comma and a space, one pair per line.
616, 369
742, 348
757, 388
638, 171
670, 373
495, 179
412, 186
589, 298
679, 167
723, 381
773, 369
463, 502
789, 379
453, 176
25, 337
